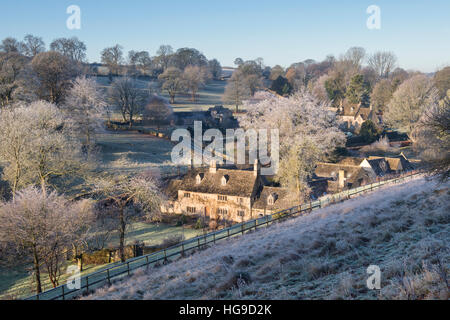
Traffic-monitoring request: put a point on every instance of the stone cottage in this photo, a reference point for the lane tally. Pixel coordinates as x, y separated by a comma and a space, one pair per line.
224, 194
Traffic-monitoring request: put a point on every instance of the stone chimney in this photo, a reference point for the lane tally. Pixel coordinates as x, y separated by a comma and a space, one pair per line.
256, 168
341, 179
213, 167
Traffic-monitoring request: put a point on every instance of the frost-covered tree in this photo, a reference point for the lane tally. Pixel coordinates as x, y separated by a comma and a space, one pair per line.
127, 199
55, 73
237, 90
128, 98
409, 102
33, 45
433, 138
355, 56
163, 56
308, 132
14, 144
172, 81
113, 58
9, 45
40, 147
318, 88
383, 63
382, 94
72, 48
157, 110
194, 78
39, 228
442, 81
11, 68
85, 104
140, 62
215, 69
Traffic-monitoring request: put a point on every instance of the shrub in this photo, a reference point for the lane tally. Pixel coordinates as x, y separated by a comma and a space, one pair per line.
213, 225
199, 224
172, 240
369, 131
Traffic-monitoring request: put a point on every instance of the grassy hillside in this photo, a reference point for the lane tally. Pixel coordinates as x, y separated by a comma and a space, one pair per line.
208, 96
129, 152
404, 229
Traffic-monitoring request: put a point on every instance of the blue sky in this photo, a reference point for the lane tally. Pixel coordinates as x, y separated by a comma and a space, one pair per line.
281, 31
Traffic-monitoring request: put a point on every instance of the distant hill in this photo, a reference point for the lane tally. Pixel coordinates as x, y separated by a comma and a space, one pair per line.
404, 229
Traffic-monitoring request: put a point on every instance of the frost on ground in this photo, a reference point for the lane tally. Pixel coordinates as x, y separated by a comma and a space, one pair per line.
404, 229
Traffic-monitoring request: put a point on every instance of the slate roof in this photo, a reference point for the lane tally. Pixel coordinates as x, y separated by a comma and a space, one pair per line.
350, 110
362, 173
282, 199
171, 191
354, 110
332, 169
396, 163
241, 183
351, 161
365, 113
380, 166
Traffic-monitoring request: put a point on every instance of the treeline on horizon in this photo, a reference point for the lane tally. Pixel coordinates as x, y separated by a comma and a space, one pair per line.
354, 76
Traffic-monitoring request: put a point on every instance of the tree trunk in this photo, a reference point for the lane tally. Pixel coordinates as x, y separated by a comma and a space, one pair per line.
37, 271
16, 182
122, 235
43, 187
131, 121
299, 193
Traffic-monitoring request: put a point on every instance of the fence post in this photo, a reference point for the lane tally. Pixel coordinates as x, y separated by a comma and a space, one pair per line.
128, 268
87, 284
228, 232
198, 246
214, 237
109, 278
242, 228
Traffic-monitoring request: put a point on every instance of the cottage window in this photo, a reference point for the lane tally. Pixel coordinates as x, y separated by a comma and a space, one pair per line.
187, 195
222, 198
241, 213
191, 209
222, 211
